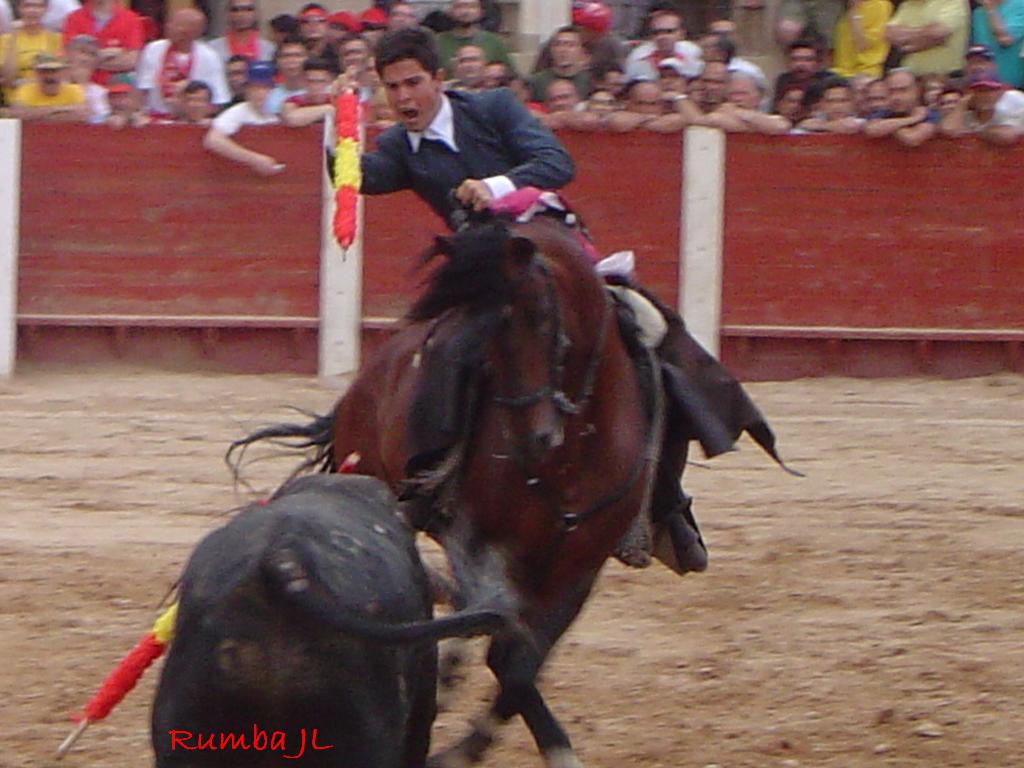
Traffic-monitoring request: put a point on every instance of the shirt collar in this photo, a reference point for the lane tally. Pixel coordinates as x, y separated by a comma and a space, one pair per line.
441, 128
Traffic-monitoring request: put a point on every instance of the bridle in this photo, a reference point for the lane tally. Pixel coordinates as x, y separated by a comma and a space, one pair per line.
554, 388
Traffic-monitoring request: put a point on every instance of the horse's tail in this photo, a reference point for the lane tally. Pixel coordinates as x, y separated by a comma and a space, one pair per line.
315, 438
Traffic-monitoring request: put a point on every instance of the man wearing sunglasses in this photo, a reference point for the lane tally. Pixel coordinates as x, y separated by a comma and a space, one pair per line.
667, 41
242, 37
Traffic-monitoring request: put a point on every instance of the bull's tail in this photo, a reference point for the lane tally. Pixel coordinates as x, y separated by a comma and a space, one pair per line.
287, 570
315, 438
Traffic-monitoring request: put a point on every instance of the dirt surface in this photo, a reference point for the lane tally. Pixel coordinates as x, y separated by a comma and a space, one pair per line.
867, 615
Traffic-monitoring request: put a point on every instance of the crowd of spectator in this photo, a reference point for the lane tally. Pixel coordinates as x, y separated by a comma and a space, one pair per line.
911, 72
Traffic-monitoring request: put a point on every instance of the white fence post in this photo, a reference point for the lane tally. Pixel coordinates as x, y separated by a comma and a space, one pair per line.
10, 188
341, 292
700, 297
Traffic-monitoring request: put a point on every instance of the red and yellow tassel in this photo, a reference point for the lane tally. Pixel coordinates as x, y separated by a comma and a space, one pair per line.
347, 174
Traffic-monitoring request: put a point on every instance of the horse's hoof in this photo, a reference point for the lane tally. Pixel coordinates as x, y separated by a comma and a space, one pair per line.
562, 757
449, 759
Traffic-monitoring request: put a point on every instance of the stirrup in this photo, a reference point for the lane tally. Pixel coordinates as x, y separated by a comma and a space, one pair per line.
679, 544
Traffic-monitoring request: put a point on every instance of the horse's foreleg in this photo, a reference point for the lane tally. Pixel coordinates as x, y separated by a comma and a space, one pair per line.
516, 661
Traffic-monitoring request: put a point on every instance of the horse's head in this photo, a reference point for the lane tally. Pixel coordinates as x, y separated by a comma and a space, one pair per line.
504, 284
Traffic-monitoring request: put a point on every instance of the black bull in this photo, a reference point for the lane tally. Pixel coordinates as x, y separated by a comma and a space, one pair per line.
305, 629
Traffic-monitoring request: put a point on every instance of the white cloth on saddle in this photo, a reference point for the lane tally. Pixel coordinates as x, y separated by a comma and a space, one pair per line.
653, 326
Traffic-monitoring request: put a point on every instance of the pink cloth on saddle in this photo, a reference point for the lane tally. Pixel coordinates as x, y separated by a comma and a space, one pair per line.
526, 202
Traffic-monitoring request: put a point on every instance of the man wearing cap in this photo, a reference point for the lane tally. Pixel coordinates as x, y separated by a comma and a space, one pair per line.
931, 35
118, 30
167, 66
49, 97
568, 62
667, 40
242, 37
998, 25
252, 111
19, 48
990, 109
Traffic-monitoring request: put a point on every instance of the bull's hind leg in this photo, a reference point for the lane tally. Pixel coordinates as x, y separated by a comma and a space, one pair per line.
516, 661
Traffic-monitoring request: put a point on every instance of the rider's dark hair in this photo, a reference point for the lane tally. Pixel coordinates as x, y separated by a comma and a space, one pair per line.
403, 44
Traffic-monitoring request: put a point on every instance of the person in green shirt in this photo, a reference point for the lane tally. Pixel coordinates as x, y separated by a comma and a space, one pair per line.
467, 31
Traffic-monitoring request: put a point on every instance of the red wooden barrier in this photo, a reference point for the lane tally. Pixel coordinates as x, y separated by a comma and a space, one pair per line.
841, 255
830, 238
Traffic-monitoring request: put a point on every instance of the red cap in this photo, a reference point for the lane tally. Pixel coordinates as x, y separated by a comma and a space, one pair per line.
343, 19
313, 13
592, 15
373, 18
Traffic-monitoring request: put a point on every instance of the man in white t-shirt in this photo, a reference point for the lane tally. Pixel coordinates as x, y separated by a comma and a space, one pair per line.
252, 111
990, 109
667, 41
167, 66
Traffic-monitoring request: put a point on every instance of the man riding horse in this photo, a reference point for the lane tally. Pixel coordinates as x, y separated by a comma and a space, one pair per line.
463, 152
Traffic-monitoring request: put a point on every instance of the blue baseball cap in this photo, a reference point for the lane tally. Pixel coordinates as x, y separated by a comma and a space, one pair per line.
260, 73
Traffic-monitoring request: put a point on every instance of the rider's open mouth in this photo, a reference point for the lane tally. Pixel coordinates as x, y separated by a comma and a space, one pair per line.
410, 114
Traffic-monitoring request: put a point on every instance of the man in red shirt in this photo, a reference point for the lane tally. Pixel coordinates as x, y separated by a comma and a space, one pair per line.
119, 32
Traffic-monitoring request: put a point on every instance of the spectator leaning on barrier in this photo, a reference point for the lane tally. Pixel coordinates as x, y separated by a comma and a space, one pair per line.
860, 46
611, 77
876, 97
291, 55
646, 108
790, 103
668, 38
197, 105
906, 119
930, 35
711, 86
242, 37
741, 112
49, 97
125, 104
253, 111
466, 15
999, 25
990, 109
314, 104
568, 61
167, 66
118, 30
83, 53
833, 108
948, 101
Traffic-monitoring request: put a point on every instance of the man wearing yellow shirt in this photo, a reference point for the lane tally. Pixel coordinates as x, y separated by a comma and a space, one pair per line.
50, 97
860, 44
930, 34
19, 48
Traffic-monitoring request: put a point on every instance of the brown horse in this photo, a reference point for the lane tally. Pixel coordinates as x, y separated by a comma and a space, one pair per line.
532, 481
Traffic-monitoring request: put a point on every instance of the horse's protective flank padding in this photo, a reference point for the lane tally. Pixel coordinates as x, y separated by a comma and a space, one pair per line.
522, 434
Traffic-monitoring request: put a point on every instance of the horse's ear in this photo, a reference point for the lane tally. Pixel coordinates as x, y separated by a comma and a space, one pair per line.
521, 251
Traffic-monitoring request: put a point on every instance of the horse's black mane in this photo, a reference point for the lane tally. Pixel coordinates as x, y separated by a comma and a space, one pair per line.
473, 275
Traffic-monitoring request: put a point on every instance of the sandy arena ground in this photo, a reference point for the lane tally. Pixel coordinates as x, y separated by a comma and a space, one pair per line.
871, 614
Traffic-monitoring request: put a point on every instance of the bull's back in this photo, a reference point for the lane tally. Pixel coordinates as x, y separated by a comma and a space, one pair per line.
247, 660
